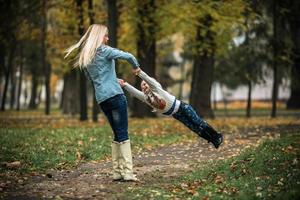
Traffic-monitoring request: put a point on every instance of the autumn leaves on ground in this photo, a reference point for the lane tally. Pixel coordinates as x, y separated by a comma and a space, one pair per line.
61, 158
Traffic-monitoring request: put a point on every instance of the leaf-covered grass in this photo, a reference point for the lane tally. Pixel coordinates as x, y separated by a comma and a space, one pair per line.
270, 171
44, 148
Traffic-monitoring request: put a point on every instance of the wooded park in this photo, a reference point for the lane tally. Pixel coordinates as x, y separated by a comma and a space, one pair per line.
233, 68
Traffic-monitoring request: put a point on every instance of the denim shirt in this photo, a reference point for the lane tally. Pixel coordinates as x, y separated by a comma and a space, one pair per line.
102, 73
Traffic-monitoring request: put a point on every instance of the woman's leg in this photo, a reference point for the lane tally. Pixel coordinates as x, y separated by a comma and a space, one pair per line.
115, 109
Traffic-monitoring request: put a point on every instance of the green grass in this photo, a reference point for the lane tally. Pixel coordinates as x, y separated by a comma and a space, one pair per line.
270, 171
39, 149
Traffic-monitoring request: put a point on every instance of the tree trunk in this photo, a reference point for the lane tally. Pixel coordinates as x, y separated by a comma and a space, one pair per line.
20, 78
61, 103
33, 97
294, 22
113, 16
182, 79
146, 51
83, 86
2, 69
71, 105
46, 65
248, 111
13, 86
275, 60
7, 75
95, 110
203, 70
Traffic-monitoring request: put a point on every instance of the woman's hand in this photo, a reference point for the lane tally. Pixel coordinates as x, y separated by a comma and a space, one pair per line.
136, 71
121, 82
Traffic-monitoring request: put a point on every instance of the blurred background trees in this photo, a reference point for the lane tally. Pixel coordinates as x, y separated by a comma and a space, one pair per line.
189, 46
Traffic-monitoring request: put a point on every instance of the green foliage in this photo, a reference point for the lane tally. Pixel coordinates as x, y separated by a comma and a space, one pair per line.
185, 17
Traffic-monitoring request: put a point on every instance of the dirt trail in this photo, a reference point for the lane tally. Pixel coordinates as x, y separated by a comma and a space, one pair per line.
93, 180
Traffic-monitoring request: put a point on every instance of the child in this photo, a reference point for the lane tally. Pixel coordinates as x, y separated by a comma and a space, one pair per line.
160, 100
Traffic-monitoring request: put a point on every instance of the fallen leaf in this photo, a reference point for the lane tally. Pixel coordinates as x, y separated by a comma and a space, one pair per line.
80, 142
78, 155
12, 165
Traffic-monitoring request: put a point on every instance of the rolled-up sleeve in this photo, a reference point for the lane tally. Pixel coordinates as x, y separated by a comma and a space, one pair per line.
113, 53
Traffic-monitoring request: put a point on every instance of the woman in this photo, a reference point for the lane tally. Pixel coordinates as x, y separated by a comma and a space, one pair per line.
98, 62
162, 101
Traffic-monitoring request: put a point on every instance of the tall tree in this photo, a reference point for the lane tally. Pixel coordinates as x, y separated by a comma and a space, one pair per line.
276, 15
203, 68
8, 73
83, 86
294, 23
46, 65
113, 15
13, 83
146, 48
20, 81
95, 109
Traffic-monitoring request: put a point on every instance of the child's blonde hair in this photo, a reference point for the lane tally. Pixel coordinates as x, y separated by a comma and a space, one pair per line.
88, 44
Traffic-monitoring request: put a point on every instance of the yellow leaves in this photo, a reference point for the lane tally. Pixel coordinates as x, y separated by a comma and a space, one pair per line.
148, 147
78, 156
289, 150
190, 188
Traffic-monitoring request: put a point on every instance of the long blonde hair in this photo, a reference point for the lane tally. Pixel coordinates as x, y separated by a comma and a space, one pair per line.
87, 45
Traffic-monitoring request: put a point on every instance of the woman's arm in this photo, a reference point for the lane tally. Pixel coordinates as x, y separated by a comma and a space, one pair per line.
113, 53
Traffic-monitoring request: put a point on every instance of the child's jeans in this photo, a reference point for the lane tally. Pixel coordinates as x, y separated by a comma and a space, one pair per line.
188, 116
115, 110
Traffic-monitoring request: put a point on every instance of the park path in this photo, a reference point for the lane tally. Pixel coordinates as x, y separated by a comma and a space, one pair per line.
93, 180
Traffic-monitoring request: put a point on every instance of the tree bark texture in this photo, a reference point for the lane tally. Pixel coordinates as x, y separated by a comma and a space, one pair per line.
34, 86
146, 50
8, 69
203, 69
249, 99
83, 85
95, 108
46, 65
20, 78
71, 104
275, 60
294, 22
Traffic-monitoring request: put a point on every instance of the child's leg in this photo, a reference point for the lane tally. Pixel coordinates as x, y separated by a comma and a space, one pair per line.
186, 121
188, 116
187, 112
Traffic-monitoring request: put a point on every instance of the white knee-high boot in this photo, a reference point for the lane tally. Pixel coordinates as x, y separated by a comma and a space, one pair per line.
126, 161
117, 167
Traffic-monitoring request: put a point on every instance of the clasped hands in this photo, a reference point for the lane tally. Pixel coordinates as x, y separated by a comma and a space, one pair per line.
134, 71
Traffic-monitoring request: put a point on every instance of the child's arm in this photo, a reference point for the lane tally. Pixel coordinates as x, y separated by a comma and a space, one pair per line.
151, 81
133, 91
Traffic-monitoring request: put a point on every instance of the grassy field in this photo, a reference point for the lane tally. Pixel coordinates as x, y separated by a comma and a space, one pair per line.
42, 149
42, 142
269, 172
36, 143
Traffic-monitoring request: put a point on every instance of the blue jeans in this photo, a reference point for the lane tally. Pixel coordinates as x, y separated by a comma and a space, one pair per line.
115, 110
188, 116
